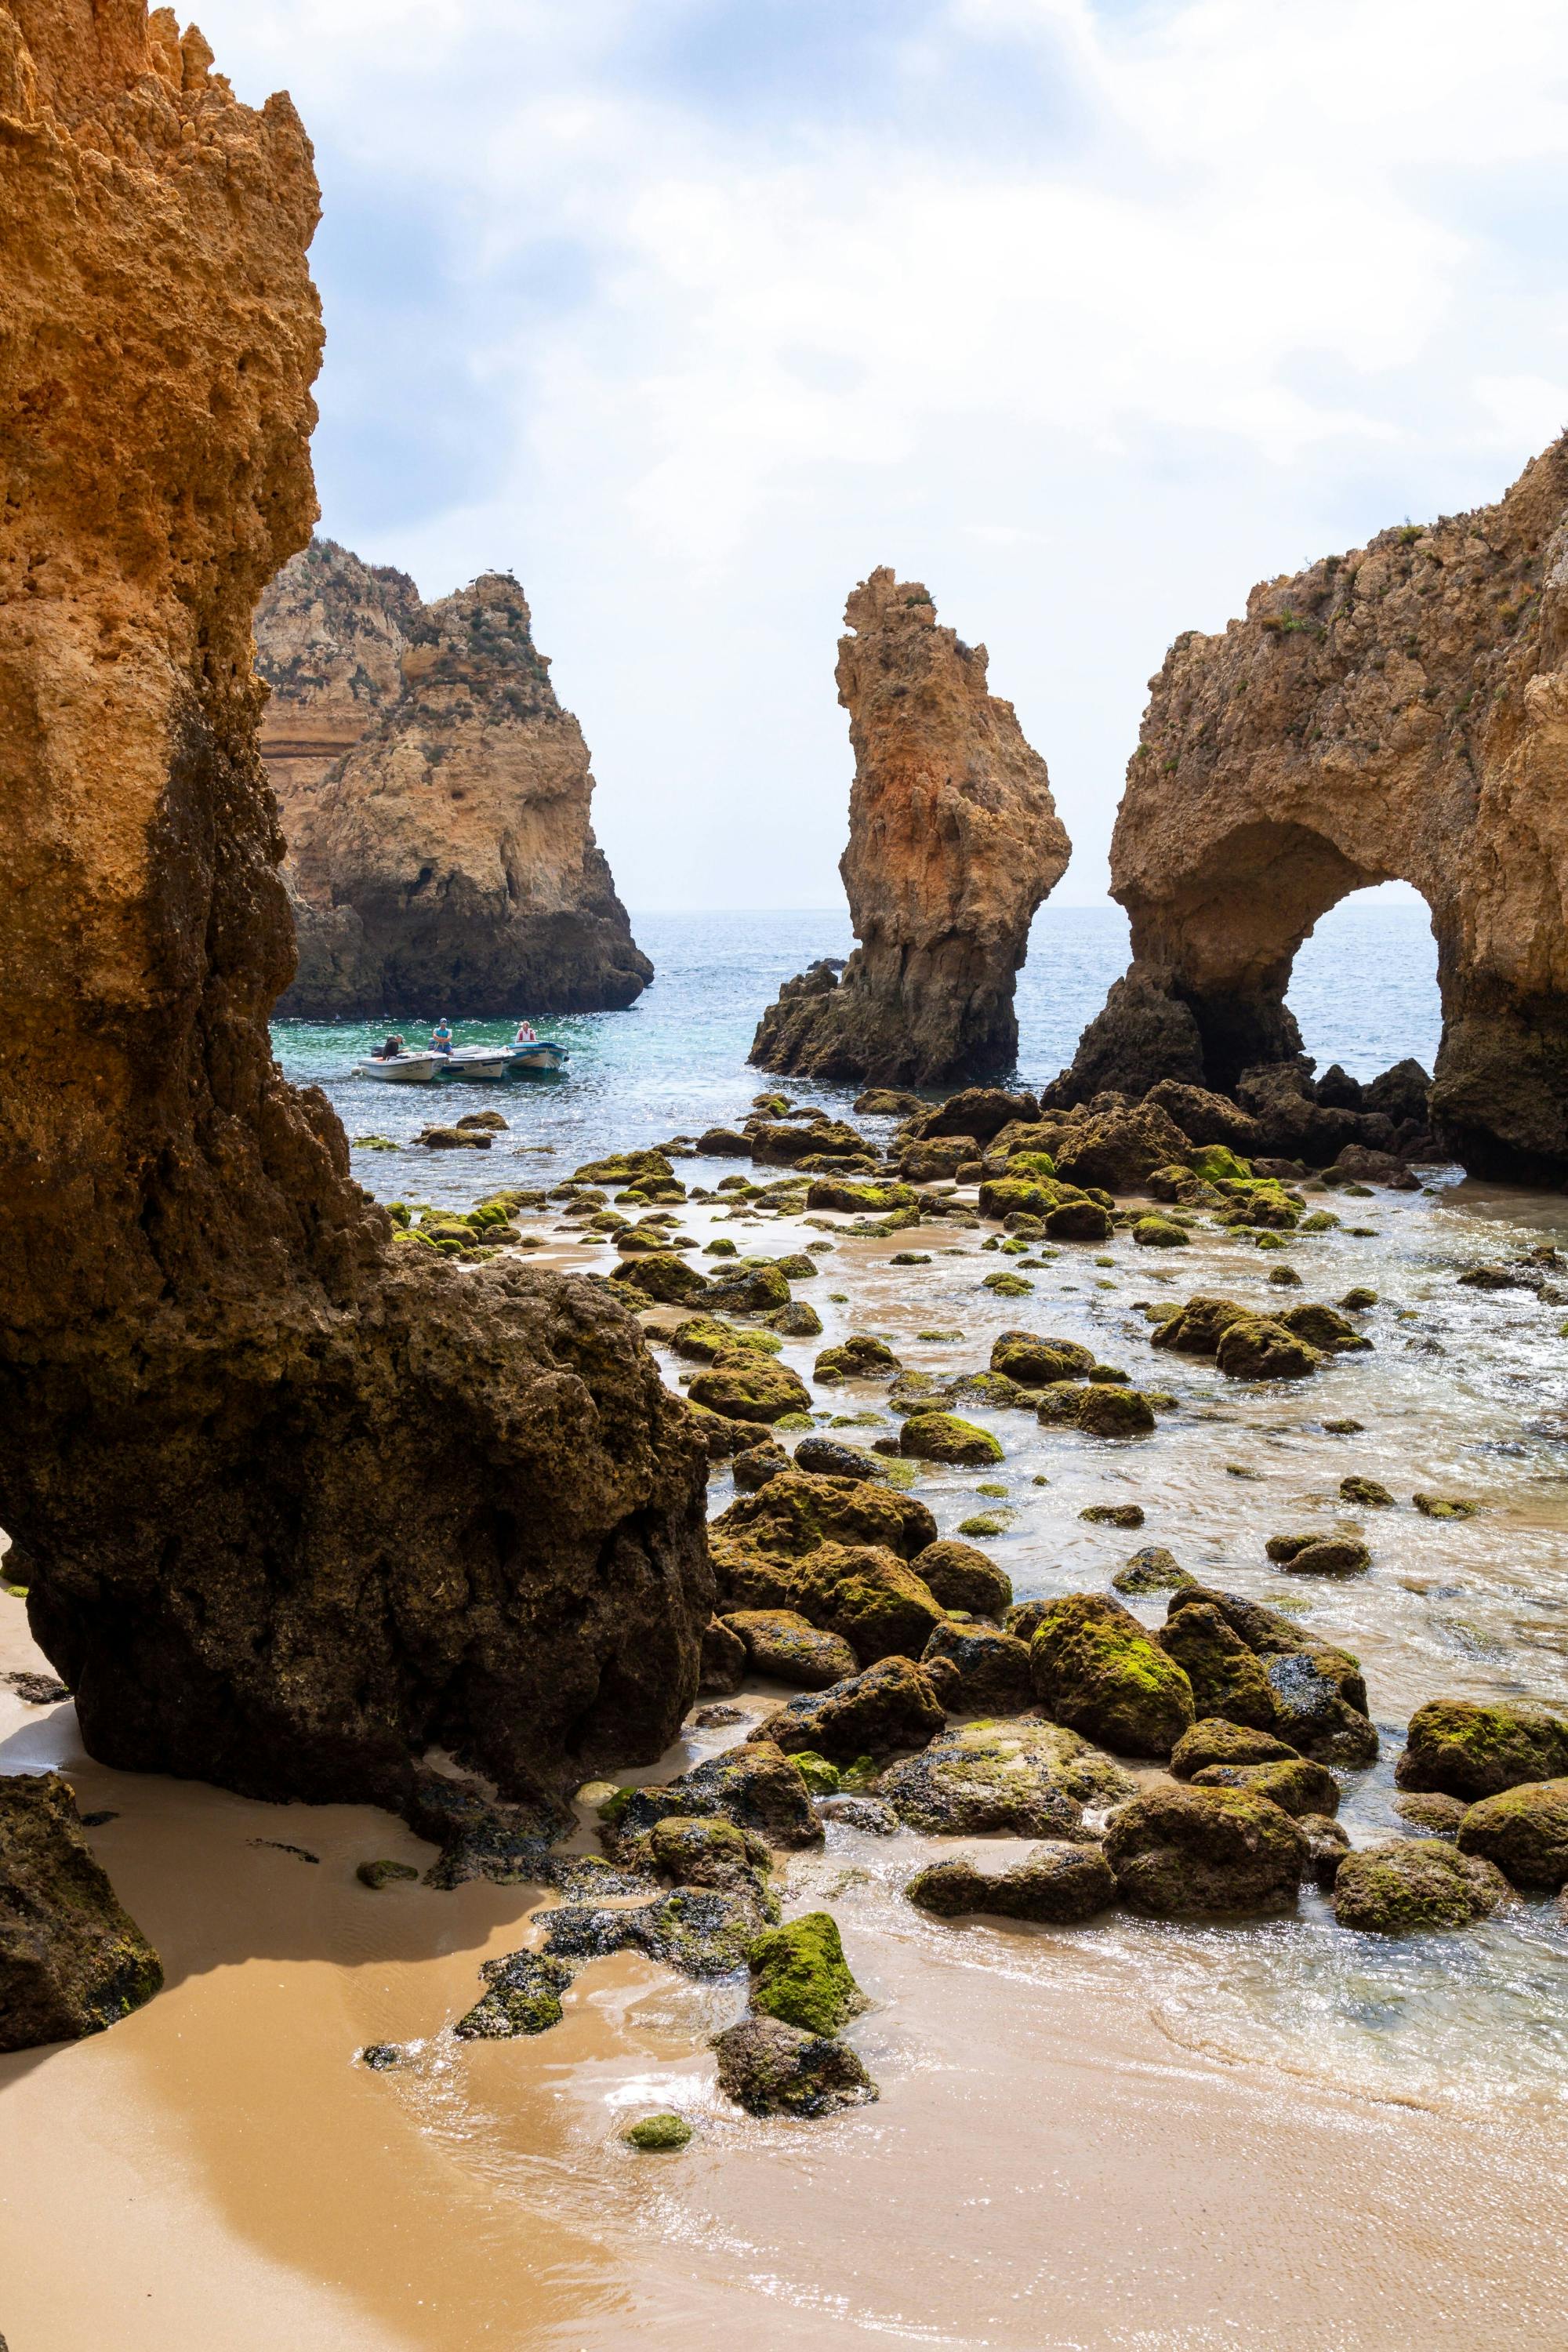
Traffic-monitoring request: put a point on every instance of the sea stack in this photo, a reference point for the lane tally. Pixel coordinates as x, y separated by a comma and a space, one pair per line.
292, 1504
953, 842
435, 801
1397, 713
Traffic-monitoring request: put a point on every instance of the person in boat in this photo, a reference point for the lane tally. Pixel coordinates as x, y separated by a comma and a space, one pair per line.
441, 1036
525, 1036
389, 1052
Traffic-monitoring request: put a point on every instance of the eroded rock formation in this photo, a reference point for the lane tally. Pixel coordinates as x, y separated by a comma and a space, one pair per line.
292, 1508
953, 842
436, 800
1400, 712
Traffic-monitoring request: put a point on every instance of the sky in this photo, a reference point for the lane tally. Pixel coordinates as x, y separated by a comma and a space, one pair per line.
690, 313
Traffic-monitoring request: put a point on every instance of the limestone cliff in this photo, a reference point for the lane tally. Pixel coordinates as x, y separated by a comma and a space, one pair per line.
1400, 712
436, 803
953, 842
290, 1509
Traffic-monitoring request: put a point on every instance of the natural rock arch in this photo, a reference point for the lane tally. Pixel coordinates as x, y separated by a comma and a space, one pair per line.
1400, 713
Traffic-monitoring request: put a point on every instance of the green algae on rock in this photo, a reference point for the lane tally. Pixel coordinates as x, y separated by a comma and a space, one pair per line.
1295, 1784
861, 1357
1189, 1854
1225, 1676
799, 1975
72, 1959
1032, 1360
524, 1997
743, 1386
1411, 1884
755, 1785
993, 1668
1471, 1750
946, 1437
658, 2135
892, 1704
377, 1874
1097, 1670
1021, 1777
1524, 1831
773, 2069
1153, 1570
1096, 1408
1215, 1740
962, 1577
1058, 1885
785, 1646
1318, 1555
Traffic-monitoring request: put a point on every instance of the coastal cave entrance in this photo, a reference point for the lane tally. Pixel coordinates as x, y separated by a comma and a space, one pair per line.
1363, 985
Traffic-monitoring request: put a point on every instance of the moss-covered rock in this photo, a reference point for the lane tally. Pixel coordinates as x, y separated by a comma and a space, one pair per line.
1227, 1678
1366, 1494
800, 1510
1262, 1348
993, 1668
1214, 1740
1096, 1408
1217, 1164
701, 1931
751, 1289
1197, 1327
743, 1386
781, 1645
1324, 1328
755, 1785
1021, 1778
723, 1668
661, 1275
1032, 1360
861, 1357
625, 1168
1113, 1515
946, 1437
1096, 1670
852, 1199
1444, 1506
377, 1874
773, 2069
1320, 1698
1473, 1751
658, 2135
1153, 1570
72, 1960
863, 1592
1059, 1883
524, 1997
694, 1852
1430, 1811
1413, 1885
1295, 1784
1193, 1854
800, 1975
798, 1321
1524, 1831
891, 1705
1008, 1286
702, 1338
1318, 1555
962, 1577
1160, 1232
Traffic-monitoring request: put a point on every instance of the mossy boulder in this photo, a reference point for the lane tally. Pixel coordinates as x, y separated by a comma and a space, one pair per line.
1008, 1286
1153, 1570
1020, 1778
1194, 1853
702, 1931
1444, 1506
1474, 1751
701, 1339
523, 1997
658, 2135
1113, 1515
1215, 1740
1096, 1670
661, 1275
962, 1577
773, 2069
704, 1852
1058, 1884
1097, 1408
799, 1509
1366, 1494
743, 1386
1196, 1329
1414, 1884
1295, 1783
873, 1199
946, 1437
800, 1975
1324, 1328
1217, 1164
993, 1668
828, 1457
1032, 1360
1227, 1678
1318, 1555
891, 1705
1262, 1348
1524, 1830
861, 1357
625, 1168
751, 1289
377, 1874
782, 1645
1319, 1696
755, 1785
723, 1667
1160, 1232
1430, 1811
72, 1959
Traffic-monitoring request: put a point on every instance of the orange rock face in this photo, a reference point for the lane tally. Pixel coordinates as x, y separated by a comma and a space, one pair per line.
1400, 712
437, 801
219, 1377
953, 842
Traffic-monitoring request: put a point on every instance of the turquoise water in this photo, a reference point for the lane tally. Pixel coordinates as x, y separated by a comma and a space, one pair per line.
1364, 994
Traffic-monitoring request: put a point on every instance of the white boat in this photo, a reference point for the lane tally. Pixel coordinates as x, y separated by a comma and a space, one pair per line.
540, 1056
476, 1062
400, 1069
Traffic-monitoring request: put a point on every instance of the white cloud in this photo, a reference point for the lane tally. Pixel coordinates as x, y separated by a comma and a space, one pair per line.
1086, 316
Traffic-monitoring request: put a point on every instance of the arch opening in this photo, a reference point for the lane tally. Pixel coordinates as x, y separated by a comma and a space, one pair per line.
1364, 990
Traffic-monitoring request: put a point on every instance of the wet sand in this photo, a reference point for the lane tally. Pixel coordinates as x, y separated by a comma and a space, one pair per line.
1136, 2137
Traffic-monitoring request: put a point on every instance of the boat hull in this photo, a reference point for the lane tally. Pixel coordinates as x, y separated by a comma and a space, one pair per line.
408, 1070
474, 1063
537, 1059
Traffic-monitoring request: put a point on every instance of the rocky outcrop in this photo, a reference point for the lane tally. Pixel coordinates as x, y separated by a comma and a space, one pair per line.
294, 1502
1400, 712
953, 842
436, 800
71, 1960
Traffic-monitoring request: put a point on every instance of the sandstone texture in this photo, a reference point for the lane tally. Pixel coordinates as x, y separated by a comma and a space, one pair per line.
71, 1960
1397, 713
953, 842
436, 803
292, 1505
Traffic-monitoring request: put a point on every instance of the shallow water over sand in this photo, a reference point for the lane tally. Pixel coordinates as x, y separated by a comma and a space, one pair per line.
1279, 2137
